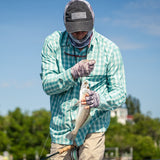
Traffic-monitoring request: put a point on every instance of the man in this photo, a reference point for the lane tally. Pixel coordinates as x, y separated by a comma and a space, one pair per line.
64, 69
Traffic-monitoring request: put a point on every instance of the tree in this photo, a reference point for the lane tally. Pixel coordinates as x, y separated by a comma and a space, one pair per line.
146, 126
4, 141
143, 147
137, 136
133, 105
25, 134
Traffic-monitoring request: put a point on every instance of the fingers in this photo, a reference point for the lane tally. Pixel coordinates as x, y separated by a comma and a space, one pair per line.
85, 67
91, 62
91, 99
82, 68
87, 107
83, 101
91, 67
88, 99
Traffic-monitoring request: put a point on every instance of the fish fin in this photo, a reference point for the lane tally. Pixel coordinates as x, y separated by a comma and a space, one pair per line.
72, 135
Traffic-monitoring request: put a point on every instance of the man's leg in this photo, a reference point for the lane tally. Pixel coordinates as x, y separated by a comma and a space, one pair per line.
93, 147
63, 156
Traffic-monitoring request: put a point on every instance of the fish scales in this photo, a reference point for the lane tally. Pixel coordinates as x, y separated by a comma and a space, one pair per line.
83, 113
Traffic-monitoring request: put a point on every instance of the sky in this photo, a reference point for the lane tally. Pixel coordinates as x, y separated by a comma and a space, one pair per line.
24, 24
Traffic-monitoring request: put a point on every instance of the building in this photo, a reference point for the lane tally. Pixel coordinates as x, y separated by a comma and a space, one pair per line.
122, 115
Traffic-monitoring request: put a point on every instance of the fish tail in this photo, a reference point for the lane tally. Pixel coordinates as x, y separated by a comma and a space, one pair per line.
72, 135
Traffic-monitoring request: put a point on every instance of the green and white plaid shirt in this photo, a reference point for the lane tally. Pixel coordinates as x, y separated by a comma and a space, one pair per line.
107, 78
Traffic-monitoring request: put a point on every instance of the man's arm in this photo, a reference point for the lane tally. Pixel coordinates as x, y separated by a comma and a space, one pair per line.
115, 93
53, 81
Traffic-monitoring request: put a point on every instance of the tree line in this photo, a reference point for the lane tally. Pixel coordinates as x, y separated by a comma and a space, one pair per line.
24, 134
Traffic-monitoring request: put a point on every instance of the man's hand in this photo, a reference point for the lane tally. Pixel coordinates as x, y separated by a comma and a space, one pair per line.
92, 99
82, 68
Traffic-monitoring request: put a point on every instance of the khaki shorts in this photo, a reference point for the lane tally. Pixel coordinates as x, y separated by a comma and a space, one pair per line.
92, 149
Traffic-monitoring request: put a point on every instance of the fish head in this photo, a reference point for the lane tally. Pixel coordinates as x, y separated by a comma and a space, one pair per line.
84, 89
85, 85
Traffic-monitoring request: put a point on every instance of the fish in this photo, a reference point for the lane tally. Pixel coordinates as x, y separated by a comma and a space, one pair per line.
83, 112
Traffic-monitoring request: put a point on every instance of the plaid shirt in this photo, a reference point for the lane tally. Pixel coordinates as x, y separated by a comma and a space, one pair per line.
107, 78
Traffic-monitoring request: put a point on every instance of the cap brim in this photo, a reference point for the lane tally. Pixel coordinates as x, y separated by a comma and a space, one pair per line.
79, 26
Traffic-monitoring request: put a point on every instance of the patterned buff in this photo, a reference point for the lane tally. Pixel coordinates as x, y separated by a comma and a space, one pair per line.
81, 43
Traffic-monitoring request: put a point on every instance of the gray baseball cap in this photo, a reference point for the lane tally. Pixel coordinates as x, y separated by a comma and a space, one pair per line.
78, 16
